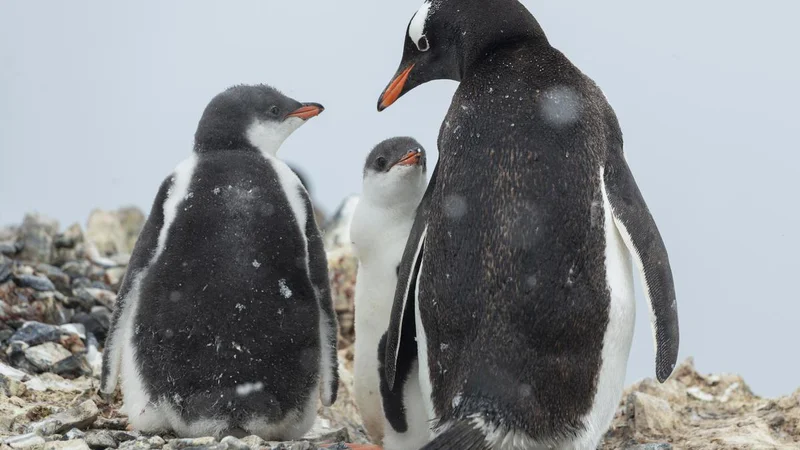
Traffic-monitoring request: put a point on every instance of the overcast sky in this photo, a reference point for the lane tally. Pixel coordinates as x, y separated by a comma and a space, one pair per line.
99, 101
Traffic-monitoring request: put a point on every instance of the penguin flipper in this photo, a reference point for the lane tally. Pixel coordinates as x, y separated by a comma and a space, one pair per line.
642, 238
318, 272
141, 258
406, 280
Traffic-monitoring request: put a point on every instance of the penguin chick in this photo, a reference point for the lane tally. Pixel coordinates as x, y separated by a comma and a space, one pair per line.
224, 322
393, 184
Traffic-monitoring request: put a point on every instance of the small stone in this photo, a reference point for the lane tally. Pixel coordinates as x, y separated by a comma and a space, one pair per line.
76, 269
9, 248
60, 279
97, 296
113, 277
5, 269
138, 444
73, 367
123, 435
652, 415
99, 439
115, 424
80, 416
35, 333
26, 441
11, 387
231, 443
254, 442
96, 324
75, 434
12, 373
323, 434
36, 235
660, 446
34, 282
76, 444
177, 444
156, 442
46, 355
76, 329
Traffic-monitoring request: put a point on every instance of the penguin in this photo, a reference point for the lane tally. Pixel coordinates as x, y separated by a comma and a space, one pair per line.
515, 287
225, 323
394, 179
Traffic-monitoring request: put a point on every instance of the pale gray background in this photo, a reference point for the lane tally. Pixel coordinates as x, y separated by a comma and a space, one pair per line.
99, 101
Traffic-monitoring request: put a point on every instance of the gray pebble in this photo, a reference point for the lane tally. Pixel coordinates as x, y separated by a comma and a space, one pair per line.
34, 282
99, 439
35, 333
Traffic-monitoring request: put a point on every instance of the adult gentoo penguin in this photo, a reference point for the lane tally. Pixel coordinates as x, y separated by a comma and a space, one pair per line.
516, 279
393, 183
224, 322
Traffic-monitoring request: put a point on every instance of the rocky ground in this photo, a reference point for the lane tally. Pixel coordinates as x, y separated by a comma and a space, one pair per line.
57, 292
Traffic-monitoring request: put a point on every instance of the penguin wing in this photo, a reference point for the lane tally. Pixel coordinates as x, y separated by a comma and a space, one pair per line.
140, 260
404, 296
318, 273
640, 234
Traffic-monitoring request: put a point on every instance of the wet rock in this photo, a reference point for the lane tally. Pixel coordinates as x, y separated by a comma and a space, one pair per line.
105, 231
60, 279
76, 444
35, 333
28, 441
46, 355
99, 439
80, 417
11, 387
34, 282
651, 415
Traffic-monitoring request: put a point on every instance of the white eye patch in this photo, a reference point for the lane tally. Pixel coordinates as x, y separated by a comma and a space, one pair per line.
416, 29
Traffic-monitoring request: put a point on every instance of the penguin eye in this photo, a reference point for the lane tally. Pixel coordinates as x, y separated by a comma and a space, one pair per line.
274, 110
380, 163
423, 44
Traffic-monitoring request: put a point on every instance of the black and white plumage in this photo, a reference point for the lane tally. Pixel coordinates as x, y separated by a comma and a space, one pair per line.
515, 293
225, 320
393, 183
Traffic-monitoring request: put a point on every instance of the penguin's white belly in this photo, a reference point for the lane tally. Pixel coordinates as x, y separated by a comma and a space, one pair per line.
374, 296
618, 337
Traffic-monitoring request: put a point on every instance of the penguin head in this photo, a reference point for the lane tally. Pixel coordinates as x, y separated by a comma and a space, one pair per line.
394, 171
446, 37
251, 117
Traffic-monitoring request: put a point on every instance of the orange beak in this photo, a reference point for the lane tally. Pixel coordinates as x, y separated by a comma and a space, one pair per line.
307, 111
412, 158
392, 93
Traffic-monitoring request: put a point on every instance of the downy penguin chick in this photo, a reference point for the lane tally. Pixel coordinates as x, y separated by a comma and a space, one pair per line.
224, 322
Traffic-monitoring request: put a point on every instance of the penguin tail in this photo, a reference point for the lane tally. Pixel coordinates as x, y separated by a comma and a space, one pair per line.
463, 434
